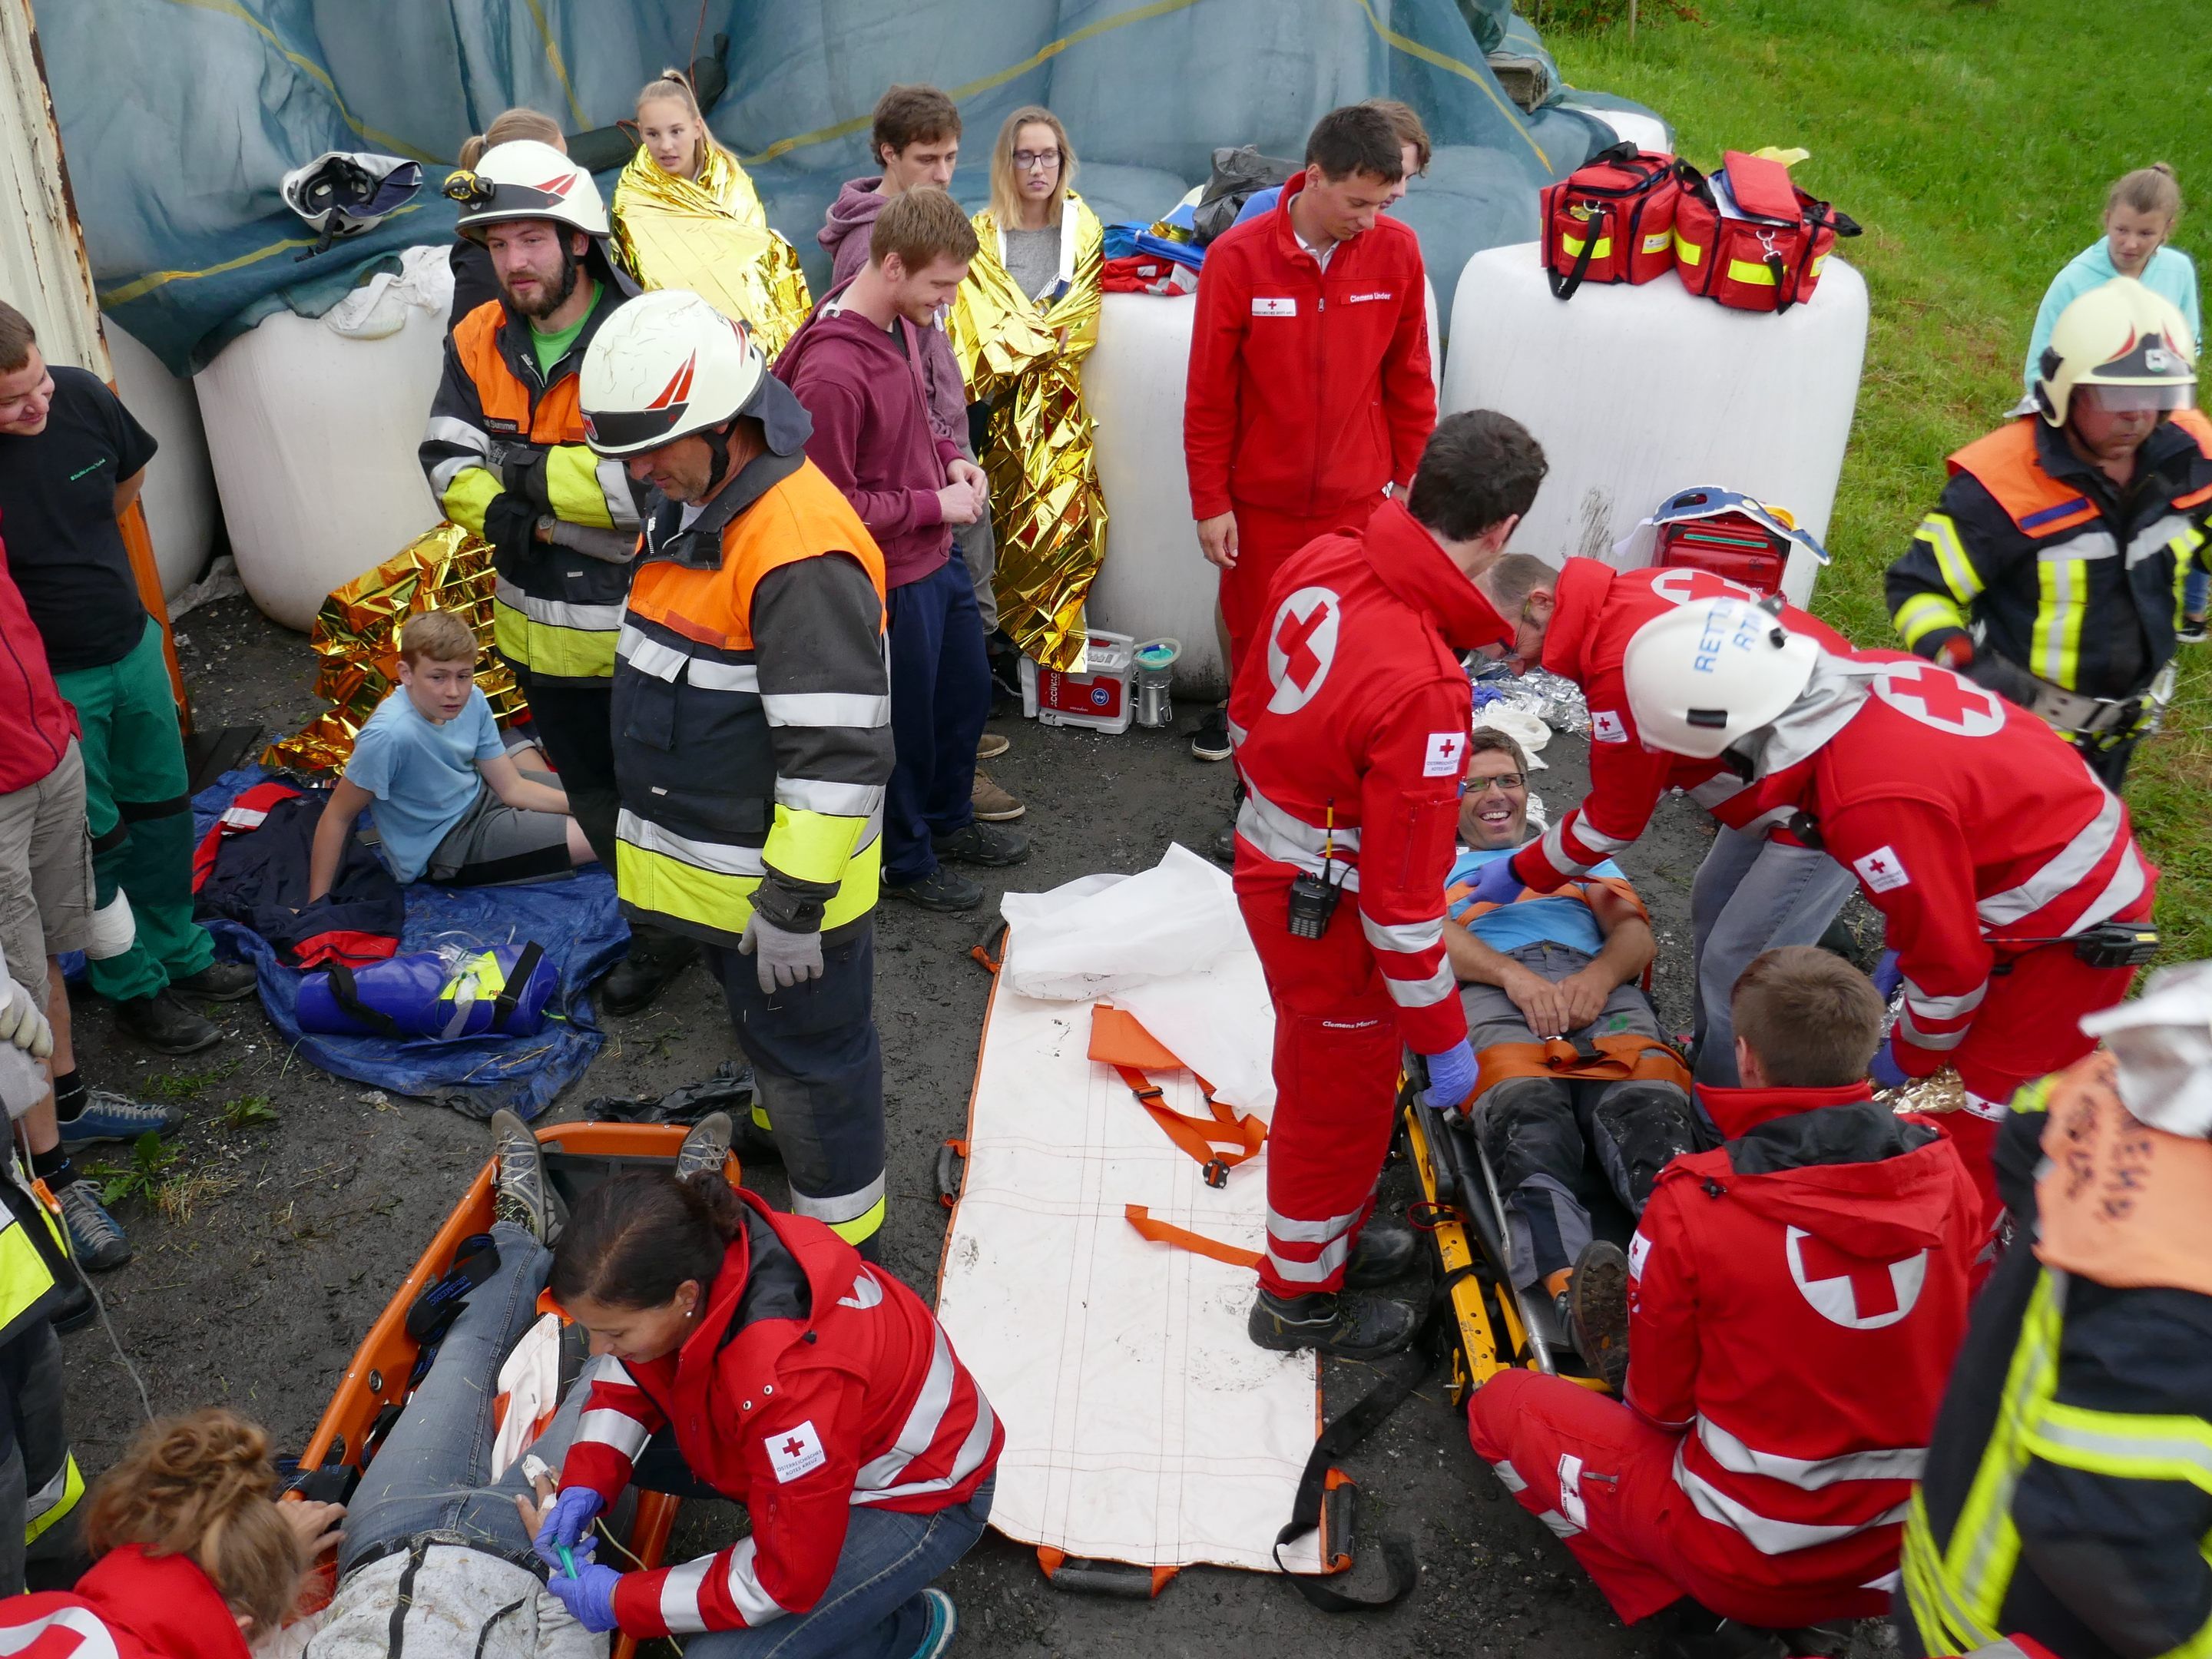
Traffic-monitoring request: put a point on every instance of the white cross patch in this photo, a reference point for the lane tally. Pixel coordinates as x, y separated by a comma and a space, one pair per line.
1607, 726
1273, 307
1881, 870
795, 1452
1447, 754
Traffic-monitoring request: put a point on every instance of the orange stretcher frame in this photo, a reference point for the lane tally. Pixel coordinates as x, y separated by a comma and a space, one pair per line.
377, 1376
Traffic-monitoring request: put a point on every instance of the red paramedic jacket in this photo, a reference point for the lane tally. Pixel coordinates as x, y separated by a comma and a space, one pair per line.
1969, 821
130, 1605
815, 1383
1308, 389
1357, 707
1795, 1299
1598, 609
35, 723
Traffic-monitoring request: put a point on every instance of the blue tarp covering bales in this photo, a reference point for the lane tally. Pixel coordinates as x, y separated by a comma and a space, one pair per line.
180, 116
576, 922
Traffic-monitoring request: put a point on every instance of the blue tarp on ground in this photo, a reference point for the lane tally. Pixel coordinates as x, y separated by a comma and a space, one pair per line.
576, 922
180, 116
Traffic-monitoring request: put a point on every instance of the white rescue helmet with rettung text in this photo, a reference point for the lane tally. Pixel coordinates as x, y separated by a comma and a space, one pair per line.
1702, 675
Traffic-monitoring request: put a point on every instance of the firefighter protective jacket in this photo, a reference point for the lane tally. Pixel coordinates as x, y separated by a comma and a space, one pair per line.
2064, 573
1597, 612
1350, 726
1795, 1299
752, 708
2067, 1497
506, 446
814, 1383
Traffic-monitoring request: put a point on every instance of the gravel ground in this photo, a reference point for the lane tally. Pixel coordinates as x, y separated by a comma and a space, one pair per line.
283, 1239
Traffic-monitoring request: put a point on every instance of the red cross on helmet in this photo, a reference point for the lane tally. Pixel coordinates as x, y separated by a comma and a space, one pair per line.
1703, 675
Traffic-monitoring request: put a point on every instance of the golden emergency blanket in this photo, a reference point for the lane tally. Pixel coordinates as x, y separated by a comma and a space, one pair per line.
356, 636
1025, 359
710, 236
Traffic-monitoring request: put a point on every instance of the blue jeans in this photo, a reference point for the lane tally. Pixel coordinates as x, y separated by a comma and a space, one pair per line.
940, 697
1752, 895
873, 1608
433, 1475
2193, 591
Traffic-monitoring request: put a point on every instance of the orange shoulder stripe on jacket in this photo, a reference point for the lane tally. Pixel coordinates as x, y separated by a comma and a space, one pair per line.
2005, 464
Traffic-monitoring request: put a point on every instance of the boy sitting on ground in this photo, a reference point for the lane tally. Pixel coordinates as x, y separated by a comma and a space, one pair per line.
1796, 1297
451, 803
1571, 1059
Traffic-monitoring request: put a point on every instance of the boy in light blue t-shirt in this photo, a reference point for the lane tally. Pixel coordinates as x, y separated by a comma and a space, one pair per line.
450, 803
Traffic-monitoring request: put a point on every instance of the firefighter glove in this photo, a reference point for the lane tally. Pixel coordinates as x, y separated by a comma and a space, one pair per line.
781, 956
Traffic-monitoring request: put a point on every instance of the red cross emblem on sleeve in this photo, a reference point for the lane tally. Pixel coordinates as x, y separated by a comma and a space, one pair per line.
1685, 585
1935, 697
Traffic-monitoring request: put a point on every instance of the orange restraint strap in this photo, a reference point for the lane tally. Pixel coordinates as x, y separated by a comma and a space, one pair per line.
1618, 1058
1219, 1143
1577, 889
1181, 1238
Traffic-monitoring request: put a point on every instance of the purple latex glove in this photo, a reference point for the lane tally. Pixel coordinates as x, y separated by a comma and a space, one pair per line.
589, 1596
1451, 1076
1887, 975
567, 1524
1495, 883
1885, 1071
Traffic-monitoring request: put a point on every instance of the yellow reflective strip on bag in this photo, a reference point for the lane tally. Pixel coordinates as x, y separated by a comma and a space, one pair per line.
1922, 614
573, 485
1687, 251
1745, 271
466, 498
484, 970
1655, 241
1574, 249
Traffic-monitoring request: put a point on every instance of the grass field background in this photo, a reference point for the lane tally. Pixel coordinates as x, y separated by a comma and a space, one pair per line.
1973, 139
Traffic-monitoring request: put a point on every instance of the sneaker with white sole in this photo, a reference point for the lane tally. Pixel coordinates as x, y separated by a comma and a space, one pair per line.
96, 1238
108, 1116
944, 1621
526, 1198
706, 1145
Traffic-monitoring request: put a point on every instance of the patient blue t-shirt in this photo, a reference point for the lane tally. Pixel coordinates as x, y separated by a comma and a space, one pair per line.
1554, 919
423, 775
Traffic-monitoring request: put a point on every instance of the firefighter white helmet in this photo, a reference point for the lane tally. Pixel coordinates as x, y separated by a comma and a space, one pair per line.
666, 363
1701, 676
2163, 1043
2134, 345
525, 179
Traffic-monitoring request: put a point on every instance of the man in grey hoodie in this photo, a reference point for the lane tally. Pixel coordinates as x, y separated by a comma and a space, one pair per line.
917, 140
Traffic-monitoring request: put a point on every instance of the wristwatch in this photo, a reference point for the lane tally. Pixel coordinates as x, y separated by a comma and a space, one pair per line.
546, 522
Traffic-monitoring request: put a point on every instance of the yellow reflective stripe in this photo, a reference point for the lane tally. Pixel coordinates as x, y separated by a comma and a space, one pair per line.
1942, 1625
2123, 1444
1574, 248
1977, 1567
811, 846
468, 495
1685, 251
667, 885
38, 1520
2056, 640
1657, 241
573, 484
2034, 1096
24, 1275
860, 1228
1924, 614
1941, 535
1743, 271
571, 653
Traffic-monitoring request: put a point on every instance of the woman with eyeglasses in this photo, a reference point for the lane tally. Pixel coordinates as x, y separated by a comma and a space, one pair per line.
1025, 320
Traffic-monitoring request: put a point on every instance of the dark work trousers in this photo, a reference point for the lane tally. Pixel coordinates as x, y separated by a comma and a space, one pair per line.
37, 1474
820, 1073
940, 697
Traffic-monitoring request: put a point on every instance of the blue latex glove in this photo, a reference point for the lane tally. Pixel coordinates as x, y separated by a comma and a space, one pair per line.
1451, 1076
1885, 1071
568, 1522
1495, 883
1887, 975
589, 1596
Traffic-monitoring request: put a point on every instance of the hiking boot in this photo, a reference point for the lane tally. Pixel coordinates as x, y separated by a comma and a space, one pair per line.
108, 1116
942, 889
1594, 1308
651, 968
706, 1144
942, 1621
1383, 1254
1349, 1327
219, 982
164, 1024
1224, 843
991, 745
97, 1242
982, 844
991, 804
1209, 739
525, 1199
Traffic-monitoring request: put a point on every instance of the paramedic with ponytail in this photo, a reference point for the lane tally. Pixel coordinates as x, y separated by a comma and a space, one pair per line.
754, 1357
1350, 717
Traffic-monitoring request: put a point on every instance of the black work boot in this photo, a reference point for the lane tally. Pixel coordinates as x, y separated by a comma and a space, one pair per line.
1594, 1309
655, 961
219, 982
1383, 1254
1349, 1327
164, 1024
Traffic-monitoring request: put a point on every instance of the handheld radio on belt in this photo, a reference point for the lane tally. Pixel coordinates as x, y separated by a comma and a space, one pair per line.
1312, 897
2107, 945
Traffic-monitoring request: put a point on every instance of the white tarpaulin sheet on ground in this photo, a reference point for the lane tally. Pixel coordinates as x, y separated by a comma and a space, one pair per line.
1142, 1426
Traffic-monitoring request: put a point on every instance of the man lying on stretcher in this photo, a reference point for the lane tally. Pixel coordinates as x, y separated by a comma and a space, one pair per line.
1560, 967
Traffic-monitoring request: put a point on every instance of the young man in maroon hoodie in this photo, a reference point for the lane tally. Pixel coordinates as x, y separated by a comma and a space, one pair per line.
856, 365
916, 139
1794, 1298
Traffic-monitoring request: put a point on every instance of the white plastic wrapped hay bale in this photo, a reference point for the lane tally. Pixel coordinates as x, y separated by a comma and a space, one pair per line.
1635, 392
180, 496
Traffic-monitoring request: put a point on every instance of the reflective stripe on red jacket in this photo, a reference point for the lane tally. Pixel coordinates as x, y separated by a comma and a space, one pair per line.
130, 1605
1598, 609
1796, 1297
1354, 714
815, 1383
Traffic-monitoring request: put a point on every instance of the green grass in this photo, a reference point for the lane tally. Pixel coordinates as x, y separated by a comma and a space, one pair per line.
1973, 139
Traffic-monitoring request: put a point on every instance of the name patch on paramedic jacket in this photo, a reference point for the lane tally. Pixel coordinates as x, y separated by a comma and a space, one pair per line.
795, 1452
1286, 307
1362, 299
1447, 750
1882, 870
1605, 725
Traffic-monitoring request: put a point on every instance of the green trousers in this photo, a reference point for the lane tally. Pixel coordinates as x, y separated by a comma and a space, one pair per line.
138, 801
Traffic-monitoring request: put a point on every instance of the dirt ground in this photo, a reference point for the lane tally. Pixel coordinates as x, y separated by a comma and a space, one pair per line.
285, 1238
